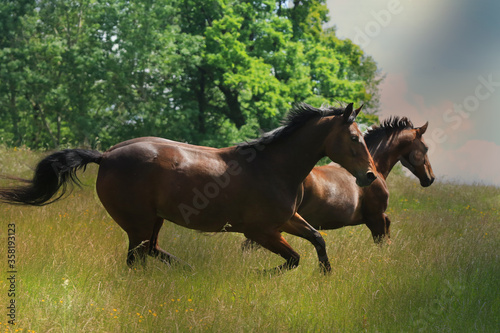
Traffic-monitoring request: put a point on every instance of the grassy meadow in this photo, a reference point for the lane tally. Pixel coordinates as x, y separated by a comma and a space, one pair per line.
440, 274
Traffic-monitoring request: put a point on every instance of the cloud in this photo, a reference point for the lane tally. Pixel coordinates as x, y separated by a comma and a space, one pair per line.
394, 99
475, 161
397, 100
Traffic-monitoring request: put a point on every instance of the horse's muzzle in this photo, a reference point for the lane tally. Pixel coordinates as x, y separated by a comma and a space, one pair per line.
367, 180
427, 182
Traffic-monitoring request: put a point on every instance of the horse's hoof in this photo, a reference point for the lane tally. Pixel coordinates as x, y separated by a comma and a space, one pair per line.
325, 267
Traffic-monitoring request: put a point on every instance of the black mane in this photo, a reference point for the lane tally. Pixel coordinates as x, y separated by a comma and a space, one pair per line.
297, 116
387, 128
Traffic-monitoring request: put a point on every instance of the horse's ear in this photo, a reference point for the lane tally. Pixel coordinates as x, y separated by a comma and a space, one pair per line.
348, 112
356, 112
421, 130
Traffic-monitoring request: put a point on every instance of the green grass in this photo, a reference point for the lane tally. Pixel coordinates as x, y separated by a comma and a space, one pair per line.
441, 272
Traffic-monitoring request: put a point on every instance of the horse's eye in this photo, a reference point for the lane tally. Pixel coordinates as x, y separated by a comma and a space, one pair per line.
354, 138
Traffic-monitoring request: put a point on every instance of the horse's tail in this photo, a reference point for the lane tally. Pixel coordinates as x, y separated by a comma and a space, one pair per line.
51, 174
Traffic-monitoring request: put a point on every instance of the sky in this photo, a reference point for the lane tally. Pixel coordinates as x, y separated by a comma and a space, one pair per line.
441, 61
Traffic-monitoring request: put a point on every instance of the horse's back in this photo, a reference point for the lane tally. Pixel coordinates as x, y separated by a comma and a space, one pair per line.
146, 149
158, 142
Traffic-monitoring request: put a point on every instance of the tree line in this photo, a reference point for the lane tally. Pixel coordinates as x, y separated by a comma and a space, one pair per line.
212, 72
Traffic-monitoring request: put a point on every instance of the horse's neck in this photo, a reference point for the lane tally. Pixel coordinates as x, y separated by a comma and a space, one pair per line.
385, 155
294, 157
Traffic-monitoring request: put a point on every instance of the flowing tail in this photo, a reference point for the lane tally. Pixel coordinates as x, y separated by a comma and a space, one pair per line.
51, 174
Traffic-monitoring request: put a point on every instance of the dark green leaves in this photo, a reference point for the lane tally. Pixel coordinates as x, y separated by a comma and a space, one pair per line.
214, 72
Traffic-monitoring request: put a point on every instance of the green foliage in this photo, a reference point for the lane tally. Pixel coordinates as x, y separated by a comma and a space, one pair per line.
214, 72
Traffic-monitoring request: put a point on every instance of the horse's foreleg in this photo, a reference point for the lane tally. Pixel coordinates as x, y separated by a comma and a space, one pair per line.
380, 229
299, 227
274, 242
387, 228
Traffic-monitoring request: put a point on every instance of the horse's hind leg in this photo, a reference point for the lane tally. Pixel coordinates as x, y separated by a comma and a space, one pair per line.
156, 251
140, 228
137, 249
297, 226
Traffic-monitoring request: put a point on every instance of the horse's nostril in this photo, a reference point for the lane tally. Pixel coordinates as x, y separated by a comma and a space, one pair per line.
371, 176
429, 182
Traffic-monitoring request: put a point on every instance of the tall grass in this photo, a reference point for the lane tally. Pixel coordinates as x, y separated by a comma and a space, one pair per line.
441, 272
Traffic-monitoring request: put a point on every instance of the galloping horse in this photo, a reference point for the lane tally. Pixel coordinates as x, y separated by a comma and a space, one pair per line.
249, 188
333, 200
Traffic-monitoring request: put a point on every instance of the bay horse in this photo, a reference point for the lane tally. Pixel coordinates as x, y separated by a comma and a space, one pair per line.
332, 199
249, 188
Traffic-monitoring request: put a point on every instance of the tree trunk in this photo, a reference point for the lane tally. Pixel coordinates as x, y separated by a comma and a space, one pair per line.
233, 107
38, 109
202, 103
14, 116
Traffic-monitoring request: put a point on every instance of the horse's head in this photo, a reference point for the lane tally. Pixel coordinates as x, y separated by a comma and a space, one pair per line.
415, 156
345, 145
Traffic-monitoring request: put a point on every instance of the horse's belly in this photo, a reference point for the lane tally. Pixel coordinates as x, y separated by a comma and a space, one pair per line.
200, 217
332, 213
194, 205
